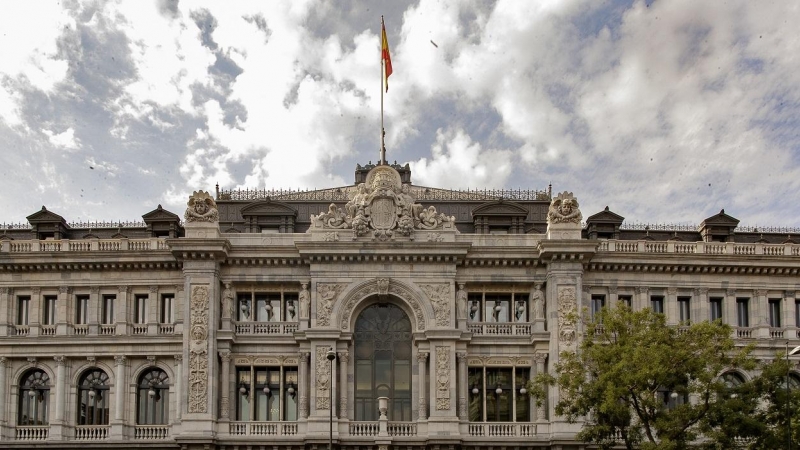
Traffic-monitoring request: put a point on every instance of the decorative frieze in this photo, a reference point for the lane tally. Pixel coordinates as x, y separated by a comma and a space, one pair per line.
323, 371
567, 315
198, 350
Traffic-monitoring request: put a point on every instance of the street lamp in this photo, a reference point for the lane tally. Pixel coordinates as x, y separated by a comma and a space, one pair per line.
331, 355
788, 398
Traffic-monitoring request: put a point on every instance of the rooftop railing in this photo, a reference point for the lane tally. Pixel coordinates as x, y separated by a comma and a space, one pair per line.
83, 245
707, 248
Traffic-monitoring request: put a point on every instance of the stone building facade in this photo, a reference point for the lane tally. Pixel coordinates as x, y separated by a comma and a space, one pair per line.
279, 319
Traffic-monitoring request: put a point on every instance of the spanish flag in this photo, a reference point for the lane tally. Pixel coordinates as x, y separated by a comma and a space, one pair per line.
385, 58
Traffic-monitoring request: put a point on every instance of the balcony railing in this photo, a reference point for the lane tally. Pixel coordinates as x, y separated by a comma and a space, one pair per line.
151, 432
369, 429
91, 432
108, 330
502, 429
744, 333
265, 328
776, 333
32, 433
20, 330
263, 428
139, 328
48, 330
707, 248
500, 329
84, 245
166, 328
80, 330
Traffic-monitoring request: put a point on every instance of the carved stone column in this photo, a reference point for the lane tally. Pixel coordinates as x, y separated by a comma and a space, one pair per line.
178, 386
344, 358
61, 388
3, 364
119, 389
541, 410
462, 385
225, 407
422, 357
303, 386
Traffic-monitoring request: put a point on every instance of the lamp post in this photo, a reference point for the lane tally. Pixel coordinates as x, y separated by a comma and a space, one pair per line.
331, 355
788, 395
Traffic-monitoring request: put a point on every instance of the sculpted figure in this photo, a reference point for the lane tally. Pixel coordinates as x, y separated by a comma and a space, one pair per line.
461, 302
227, 302
201, 207
564, 209
305, 302
537, 299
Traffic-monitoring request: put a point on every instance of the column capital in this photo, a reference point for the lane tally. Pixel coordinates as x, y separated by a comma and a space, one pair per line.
587, 289
36, 290
540, 357
119, 360
700, 291
123, 288
461, 356
304, 356
612, 291
761, 292
94, 290
672, 290
789, 294
422, 356
5, 290
3, 361
344, 356
730, 292
178, 358
642, 289
153, 289
225, 355
65, 289
60, 360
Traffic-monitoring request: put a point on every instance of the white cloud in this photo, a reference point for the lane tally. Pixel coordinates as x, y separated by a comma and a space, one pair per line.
65, 139
458, 162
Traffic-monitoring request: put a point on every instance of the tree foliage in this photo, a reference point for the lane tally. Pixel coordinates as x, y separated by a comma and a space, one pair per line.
631, 379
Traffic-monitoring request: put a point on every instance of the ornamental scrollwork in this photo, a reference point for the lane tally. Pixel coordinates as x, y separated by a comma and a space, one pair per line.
323, 372
442, 378
372, 287
567, 314
201, 207
326, 298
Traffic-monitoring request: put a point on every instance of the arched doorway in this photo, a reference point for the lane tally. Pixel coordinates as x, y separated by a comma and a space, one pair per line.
383, 362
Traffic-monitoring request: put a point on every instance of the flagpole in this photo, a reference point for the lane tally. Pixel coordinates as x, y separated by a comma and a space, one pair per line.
383, 70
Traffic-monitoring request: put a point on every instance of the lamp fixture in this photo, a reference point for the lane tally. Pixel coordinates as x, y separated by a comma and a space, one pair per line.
151, 393
290, 308
475, 390
473, 309
91, 394
32, 393
499, 390
266, 390
523, 391
291, 390
243, 389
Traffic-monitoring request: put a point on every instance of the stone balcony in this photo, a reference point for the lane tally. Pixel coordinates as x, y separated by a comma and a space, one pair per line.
702, 248
83, 245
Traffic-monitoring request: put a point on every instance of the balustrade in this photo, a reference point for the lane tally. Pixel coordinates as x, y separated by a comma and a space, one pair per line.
268, 328
48, 330
263, 428
743, 333
20, 330
91, 432
502, 429
80, 330
151, 432
139, 329
166, 328
85, 245
500, 329
708, 248
108, 330
32, 433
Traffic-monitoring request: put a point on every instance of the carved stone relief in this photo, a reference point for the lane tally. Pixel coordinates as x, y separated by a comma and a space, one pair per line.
323, 372
537, 299
198, 351
201, 207
564, 209
567, 314
442, 378
326, 298
439, 296
371, 287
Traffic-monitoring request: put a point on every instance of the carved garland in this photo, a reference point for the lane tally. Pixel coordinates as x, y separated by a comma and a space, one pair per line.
439, 295
373, 286
442, 378
198, 351
567, 312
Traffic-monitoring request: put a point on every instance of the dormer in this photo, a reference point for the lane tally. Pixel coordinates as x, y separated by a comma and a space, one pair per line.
718, 228
604, 225
499, 217
48, 225
269, 217
162, 223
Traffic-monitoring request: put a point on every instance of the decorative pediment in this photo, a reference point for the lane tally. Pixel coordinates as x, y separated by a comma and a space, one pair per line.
45, 216
160, 215
268, 208
500, 208
720, 220
605, 216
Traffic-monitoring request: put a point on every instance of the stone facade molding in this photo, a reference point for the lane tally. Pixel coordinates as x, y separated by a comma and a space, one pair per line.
352, 299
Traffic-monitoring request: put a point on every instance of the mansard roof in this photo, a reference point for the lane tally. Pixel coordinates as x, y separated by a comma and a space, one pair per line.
605, 216
720, 219
160, 215
45, 216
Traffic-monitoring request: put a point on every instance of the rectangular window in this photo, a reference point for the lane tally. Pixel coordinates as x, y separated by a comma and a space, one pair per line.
498, 395
81, 309
598, 302
775, 312
742, 312
23, 305
626, 300
140, 309
657, 303
684, 309
715, 306
108, 309
49, 316
266, 394
166, 308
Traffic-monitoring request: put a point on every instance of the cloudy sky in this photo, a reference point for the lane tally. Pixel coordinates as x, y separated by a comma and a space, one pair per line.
666, 111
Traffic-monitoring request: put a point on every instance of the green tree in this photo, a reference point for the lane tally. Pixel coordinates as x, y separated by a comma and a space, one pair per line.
632, 376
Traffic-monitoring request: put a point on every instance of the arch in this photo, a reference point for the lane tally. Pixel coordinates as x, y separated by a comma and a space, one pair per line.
94, 397
136, 372
152, 397
364, 294
88, 365
733, 379
33, 405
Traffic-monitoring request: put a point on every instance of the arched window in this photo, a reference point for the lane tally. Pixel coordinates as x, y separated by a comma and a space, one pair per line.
383, 362
153, 398
732, 380
93, 398
34, 398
